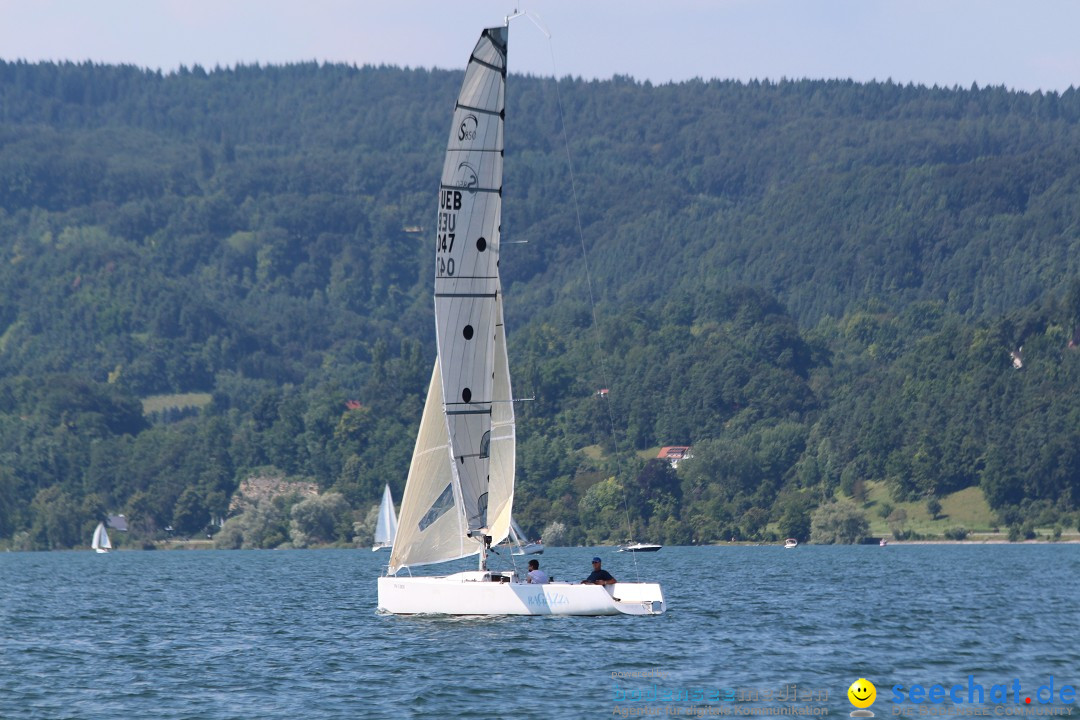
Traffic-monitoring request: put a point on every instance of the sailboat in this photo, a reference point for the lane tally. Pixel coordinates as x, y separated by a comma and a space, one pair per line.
386, 526
100, 542
521, 545
460, 490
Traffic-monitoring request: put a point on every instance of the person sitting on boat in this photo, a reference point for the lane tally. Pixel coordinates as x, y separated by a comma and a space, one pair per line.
536, 575
598, 575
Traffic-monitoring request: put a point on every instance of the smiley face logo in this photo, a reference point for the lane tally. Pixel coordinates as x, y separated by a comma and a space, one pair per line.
862, 693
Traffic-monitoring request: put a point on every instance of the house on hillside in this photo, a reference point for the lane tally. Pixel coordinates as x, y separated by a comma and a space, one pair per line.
674, 453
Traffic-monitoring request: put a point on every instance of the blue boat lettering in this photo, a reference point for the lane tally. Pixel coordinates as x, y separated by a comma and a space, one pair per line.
540, 599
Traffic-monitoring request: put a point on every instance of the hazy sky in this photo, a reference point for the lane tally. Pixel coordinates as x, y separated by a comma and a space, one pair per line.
1022, 44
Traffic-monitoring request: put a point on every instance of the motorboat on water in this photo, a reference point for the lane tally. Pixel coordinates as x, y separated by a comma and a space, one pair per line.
640, 547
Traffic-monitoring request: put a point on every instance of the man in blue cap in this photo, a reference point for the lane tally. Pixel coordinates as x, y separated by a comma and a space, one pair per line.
598, 576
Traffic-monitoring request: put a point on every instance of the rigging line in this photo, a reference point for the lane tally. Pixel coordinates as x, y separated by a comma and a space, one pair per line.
592, 300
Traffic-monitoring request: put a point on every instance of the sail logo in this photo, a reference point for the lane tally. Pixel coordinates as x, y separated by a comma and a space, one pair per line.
467, 129
542, 600
467, 177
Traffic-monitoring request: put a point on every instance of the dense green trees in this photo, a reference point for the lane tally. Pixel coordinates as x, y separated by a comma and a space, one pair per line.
838, 523
816, 284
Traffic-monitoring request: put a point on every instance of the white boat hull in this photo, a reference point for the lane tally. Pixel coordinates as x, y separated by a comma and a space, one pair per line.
476, 593
640, 547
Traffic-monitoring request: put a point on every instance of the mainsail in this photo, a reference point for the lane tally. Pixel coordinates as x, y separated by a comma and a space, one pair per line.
461, 481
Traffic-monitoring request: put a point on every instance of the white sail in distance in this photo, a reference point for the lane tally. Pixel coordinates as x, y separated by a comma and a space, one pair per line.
100, 541
386, 525
517, 532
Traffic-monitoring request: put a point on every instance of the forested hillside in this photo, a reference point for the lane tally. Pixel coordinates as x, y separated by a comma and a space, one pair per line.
817, 284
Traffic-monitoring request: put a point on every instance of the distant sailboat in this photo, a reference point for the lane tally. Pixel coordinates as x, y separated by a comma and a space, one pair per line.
521, 545
101, 543
460, 492
386, 527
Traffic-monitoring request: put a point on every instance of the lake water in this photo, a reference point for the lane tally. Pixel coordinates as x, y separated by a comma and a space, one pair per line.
294, 634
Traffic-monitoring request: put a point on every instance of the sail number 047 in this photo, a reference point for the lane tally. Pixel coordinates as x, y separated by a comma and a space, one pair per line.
449, 204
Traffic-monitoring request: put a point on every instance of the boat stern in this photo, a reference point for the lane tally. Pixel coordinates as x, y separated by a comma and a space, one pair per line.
638, 598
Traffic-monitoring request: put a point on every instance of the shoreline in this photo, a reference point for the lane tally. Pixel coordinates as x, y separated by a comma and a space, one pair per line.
174, 544
988, 541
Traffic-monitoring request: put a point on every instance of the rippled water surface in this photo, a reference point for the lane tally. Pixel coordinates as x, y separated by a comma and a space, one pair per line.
288, 634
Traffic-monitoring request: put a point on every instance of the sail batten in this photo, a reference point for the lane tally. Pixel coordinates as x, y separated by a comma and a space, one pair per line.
472, 189
486, 111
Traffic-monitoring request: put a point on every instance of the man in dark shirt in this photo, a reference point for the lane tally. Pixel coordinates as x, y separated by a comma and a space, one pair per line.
598, 576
